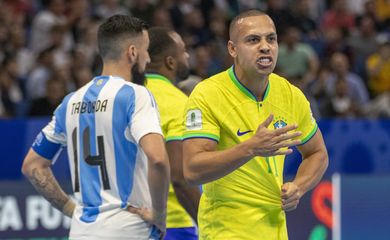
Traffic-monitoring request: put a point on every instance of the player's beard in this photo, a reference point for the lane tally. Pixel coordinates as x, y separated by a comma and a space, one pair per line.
138, 76
183, 71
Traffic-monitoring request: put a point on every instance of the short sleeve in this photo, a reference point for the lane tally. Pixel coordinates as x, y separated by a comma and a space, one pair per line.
304, 116
171, 104
51, 140
174, 127
145, 118
199, 119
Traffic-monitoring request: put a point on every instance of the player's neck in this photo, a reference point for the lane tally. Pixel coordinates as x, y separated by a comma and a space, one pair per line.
255, 83
117, 69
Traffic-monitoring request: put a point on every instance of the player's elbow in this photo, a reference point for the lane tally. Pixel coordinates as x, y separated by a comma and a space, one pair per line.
159, 162
190, 176
177, 179
25, 168
193, 170
28, 164
322, 161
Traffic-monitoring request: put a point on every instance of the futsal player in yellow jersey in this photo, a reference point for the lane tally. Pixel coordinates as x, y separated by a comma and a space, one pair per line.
240, 124
169, 61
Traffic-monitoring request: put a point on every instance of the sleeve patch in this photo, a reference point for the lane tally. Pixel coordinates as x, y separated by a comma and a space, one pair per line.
194, 119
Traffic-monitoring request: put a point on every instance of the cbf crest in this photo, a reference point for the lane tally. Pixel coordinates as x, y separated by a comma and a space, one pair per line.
280, 122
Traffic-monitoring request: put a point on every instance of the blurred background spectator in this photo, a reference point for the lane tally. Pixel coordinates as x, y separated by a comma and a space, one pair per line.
107, 8
378, 68
336, 51
297, 60
45, 106
340, 69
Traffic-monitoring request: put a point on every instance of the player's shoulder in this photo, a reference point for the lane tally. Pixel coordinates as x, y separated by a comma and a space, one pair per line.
279, 81
158, 83
283, 93
283, 86
218, 79
213, 84
138, 89
164, 89
68, 96
150, 83
127, 91
77, 94
173, 95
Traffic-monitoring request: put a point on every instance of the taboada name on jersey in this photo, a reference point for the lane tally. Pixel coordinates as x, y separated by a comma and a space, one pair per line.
89, 106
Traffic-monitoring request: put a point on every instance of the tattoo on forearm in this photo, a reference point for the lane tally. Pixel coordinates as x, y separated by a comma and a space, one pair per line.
45, 183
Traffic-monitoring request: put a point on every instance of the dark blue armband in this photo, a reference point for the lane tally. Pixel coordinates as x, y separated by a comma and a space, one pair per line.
46, 148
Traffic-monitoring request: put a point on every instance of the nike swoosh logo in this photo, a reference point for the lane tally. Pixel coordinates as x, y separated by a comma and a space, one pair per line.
243, 133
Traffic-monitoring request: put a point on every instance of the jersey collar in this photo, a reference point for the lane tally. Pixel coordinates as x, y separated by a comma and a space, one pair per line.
156, 76
244, 89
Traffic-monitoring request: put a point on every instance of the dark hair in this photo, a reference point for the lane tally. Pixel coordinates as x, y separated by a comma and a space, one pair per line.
249, 13
161, 44
115, 31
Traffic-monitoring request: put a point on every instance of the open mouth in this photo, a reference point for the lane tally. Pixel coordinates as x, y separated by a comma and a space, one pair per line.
264, 62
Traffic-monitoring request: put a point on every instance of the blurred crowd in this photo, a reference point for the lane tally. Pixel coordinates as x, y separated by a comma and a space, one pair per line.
336, 51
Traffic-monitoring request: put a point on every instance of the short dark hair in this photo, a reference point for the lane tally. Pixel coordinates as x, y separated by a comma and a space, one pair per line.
161, 44
116, 30
249, 13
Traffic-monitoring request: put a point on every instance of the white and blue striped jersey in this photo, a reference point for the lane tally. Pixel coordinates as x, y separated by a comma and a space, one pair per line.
101, 125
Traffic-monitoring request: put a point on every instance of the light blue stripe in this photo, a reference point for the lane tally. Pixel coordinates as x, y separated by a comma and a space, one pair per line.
125, 151
60, 114
89, 175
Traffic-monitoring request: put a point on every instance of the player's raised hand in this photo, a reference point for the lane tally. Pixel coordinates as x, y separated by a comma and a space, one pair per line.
267, 142
290, 196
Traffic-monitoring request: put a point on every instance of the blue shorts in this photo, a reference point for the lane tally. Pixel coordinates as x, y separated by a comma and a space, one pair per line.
188, 233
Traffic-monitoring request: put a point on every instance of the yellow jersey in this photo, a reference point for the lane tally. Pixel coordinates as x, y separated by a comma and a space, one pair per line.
171, 103
245, 204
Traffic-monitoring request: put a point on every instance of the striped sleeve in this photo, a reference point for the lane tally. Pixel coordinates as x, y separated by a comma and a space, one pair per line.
145, 118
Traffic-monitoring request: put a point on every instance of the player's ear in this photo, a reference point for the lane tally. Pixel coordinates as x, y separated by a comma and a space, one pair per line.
232, 48
170, 63
132, 53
